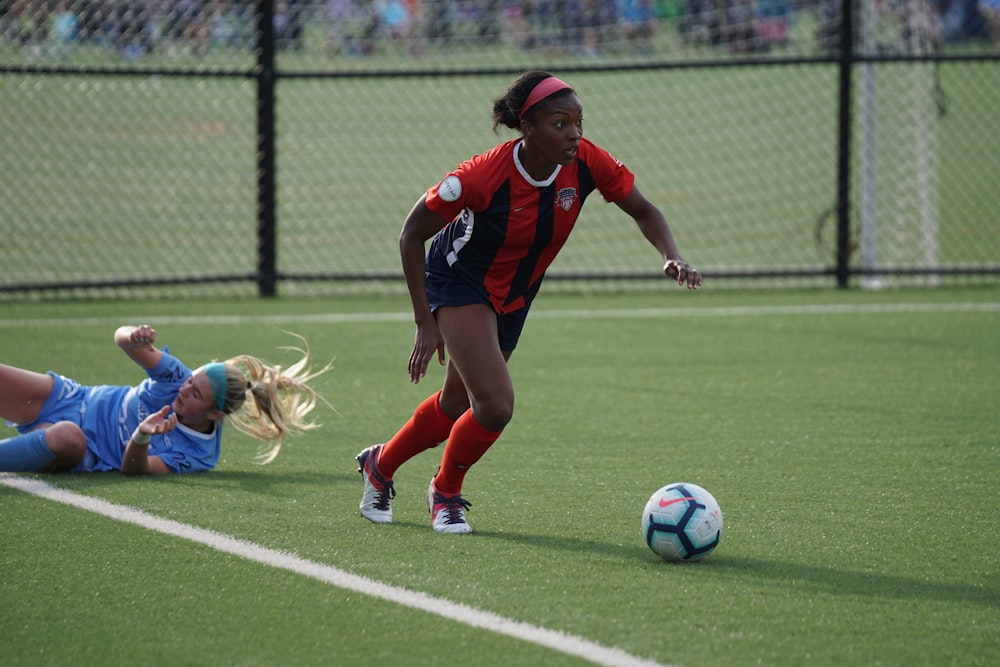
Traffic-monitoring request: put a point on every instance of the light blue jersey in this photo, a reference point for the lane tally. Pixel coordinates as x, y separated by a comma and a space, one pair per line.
109, 414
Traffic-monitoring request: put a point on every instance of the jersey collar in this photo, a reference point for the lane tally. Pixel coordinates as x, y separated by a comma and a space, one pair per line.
524, 172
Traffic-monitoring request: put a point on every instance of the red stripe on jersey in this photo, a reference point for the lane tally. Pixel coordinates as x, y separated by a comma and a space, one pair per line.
519, 236
518, 225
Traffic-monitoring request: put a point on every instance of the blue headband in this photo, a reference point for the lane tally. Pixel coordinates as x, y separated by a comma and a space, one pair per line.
216, 373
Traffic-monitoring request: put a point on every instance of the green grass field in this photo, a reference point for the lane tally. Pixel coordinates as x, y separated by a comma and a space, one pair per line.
851, 439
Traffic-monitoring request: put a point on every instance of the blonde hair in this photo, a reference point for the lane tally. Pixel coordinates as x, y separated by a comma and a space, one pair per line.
269, 402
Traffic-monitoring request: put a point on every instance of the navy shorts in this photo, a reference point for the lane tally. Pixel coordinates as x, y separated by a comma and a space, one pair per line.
450, 291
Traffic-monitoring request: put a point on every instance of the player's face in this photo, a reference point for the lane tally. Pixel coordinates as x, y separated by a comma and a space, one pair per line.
558, 128
194, 398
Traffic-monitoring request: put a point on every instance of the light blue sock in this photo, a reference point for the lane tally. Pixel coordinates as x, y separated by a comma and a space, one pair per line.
25, 453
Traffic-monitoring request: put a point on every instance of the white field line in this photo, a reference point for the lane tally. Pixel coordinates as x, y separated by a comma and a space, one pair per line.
541, 313
460, 613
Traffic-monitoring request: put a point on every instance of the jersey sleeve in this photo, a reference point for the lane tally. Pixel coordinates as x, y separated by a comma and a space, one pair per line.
448, 197
164, 382
468, 186
612, 178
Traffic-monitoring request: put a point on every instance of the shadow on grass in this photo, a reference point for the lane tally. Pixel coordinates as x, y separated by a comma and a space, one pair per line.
261, 482
795, 576
833, 581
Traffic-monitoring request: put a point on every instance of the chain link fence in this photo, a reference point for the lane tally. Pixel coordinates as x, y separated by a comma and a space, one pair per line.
138, 157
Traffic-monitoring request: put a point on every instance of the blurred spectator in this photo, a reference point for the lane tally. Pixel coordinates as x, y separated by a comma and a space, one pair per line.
515, 23
154, 21
699, 23
962, 21
281, 20
367, 28
575, 26
64, 27
540, 17
830, 23
289, 24
597, 24
638, 23
394, 19
128, 33
486, 15
183, 18
991, 12
223, 26
771, 22
337, 14
354, 27
438, 17
747, 26
736, 26
490, 26
919, 27
23, 22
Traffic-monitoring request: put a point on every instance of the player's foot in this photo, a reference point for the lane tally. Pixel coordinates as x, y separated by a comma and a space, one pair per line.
447, 512
379, 492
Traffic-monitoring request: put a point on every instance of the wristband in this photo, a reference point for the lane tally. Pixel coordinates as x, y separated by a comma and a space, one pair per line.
140, 438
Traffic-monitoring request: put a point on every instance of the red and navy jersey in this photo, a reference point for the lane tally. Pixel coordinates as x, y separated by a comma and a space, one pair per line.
504, 228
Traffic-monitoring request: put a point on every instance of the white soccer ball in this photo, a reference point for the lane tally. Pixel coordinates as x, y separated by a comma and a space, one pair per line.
682, 522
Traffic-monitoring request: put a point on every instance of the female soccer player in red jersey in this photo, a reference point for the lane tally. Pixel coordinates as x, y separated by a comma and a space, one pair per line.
497, 222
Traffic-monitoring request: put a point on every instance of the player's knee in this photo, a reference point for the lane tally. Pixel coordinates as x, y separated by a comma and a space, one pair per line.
495, 412
67, 441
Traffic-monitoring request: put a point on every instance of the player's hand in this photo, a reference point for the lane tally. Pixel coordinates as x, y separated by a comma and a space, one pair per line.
427, 341
143, 336
683, 273
161, 421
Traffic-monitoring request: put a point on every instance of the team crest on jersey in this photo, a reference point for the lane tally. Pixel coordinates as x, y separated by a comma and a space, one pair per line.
566, 198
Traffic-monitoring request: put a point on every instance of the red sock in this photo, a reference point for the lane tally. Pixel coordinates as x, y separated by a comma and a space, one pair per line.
427, 428
467, 443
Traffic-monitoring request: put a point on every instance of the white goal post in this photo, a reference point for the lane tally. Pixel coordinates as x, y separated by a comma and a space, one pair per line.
899, 155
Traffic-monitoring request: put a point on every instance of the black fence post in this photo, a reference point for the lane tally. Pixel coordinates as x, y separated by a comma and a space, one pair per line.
843, 269
266, 180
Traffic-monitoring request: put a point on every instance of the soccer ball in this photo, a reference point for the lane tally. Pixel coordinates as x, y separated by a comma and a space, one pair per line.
682, 522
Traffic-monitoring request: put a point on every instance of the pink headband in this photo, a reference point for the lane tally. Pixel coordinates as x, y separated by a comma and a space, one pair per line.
542, 89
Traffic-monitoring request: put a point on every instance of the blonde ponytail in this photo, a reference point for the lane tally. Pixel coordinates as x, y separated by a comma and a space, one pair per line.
270, 402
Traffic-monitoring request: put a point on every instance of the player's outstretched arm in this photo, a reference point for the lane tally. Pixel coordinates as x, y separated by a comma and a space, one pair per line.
656, 230
137, 343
